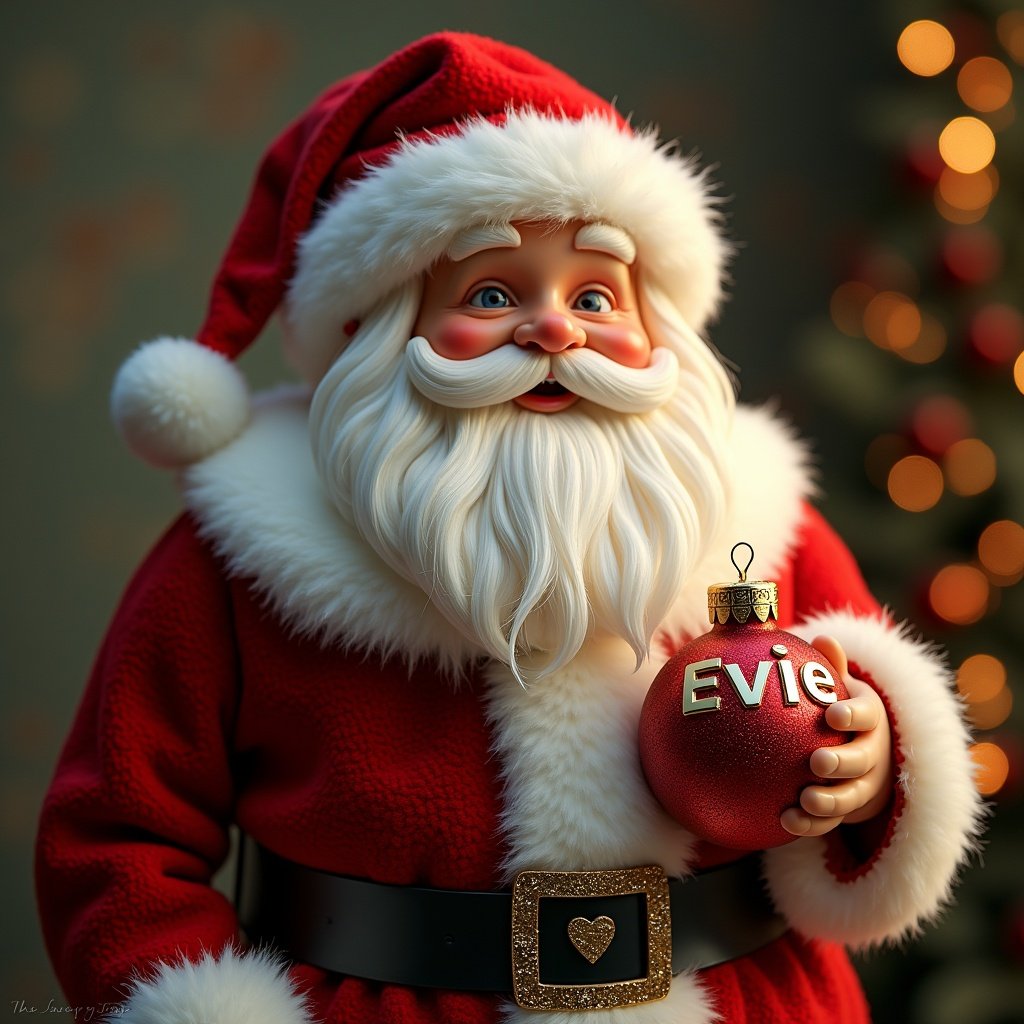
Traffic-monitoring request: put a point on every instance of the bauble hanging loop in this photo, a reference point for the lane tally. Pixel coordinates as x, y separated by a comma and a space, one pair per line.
750, 561
739, 600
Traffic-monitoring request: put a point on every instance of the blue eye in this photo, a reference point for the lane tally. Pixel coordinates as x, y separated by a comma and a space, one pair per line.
490, 298
593, 302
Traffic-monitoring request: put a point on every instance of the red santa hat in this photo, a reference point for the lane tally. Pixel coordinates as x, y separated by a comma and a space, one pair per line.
372, 184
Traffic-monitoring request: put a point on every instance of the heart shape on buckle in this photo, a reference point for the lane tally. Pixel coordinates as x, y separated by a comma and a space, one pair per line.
592, 938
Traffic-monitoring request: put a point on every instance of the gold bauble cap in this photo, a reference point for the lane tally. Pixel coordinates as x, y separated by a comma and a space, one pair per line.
738, 601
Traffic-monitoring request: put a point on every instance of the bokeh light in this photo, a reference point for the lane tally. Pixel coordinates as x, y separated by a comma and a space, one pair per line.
847, 306
985, 84
980, 677
892, 320
972, 255
968, 191
1018, 373
967, 144
969, 467
957, 214
926, 48
991, 713
1001, 549
930, 344
959, 594
996, 333
992, 765
1010, 29
915, 483
937, 423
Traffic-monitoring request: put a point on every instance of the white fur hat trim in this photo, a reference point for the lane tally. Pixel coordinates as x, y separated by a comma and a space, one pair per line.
396, 221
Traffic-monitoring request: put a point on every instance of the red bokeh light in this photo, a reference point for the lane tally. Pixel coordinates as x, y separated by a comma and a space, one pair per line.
972, 255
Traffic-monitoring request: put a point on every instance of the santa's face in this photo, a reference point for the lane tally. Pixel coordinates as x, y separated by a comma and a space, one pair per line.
529, 532
560, 288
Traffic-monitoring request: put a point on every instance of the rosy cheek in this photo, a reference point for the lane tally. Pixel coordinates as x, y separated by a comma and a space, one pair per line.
626, 344
464, 338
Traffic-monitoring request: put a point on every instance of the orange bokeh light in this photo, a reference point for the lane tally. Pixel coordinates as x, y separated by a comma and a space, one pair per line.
930, 344
992, 767
892, 321
957, 215
970, 467
967, 145
980, 677
1018, 373
959, 594
990, 714
1001, 548
985, 84
915, 483
968, 191
926, 48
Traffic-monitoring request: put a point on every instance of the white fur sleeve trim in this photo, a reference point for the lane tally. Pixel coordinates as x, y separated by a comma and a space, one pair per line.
247, 988
911, 879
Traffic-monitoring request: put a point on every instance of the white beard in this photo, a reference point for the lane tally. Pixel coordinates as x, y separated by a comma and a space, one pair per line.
529, 532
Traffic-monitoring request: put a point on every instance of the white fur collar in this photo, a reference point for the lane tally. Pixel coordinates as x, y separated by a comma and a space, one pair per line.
260, 503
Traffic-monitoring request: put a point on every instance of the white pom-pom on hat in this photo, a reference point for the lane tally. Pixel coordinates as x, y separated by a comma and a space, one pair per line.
175, 401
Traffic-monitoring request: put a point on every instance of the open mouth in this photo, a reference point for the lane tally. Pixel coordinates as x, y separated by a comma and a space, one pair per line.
547, 396
549, 388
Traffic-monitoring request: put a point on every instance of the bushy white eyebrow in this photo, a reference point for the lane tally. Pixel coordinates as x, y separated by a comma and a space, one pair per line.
487, 236
608, 239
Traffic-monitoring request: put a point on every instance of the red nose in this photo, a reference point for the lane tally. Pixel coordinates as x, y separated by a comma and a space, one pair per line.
553, 332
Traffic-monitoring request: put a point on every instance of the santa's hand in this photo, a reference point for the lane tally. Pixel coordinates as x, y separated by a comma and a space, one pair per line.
864, 764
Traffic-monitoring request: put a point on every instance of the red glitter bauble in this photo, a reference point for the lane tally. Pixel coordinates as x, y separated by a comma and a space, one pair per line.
728, 728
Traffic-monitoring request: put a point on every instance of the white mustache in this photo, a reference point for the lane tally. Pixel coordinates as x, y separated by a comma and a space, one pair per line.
510, 371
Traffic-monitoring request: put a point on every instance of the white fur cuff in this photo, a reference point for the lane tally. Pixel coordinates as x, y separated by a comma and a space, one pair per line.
175, 401
248, 988
911, 879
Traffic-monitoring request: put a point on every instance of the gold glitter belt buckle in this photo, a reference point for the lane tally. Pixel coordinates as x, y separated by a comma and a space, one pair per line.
531, 887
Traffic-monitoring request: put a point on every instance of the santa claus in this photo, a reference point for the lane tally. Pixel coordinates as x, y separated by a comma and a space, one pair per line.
408, 660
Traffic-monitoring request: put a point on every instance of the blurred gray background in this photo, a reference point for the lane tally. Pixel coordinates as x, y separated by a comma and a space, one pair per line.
130, 135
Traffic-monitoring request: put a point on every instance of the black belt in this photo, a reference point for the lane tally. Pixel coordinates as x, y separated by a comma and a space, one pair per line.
637, 925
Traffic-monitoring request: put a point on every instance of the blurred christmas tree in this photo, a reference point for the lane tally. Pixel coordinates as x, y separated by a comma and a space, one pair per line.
922, 364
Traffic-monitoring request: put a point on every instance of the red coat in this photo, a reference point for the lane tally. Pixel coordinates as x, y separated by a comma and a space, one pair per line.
206, 706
